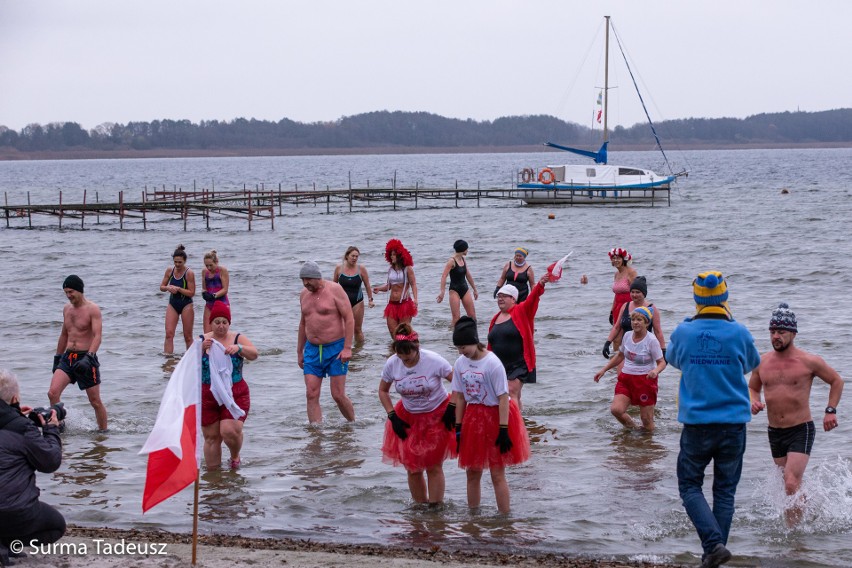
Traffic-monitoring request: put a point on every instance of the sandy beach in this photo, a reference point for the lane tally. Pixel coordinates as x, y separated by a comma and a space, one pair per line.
104, 547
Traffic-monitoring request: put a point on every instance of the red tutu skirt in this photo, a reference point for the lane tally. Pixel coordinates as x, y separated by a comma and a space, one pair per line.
404, 310
480, 427
428, 444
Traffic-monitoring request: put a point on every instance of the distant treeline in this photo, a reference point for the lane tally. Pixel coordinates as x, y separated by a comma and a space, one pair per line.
420, 129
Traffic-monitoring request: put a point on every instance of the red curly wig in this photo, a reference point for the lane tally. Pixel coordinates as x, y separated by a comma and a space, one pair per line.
395, 245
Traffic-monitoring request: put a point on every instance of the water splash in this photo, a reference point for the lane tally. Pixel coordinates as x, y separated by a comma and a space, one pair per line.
826, 495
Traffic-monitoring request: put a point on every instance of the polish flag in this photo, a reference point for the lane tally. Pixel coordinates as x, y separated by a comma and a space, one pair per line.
554, 271
172, 445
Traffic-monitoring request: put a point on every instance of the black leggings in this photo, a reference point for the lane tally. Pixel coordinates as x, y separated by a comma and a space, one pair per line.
42, 523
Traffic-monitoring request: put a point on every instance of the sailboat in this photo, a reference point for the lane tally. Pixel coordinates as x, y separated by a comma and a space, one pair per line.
599, 183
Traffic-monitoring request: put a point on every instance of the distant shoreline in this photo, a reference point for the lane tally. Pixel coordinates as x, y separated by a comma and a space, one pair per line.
10, 154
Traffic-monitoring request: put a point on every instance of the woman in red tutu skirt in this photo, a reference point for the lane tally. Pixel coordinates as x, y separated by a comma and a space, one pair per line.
419, 431
489, 430
402, 304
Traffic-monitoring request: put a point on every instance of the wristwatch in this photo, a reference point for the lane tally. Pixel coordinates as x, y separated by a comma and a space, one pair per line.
830, 410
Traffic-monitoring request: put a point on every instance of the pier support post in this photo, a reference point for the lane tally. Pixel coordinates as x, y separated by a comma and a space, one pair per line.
83, 212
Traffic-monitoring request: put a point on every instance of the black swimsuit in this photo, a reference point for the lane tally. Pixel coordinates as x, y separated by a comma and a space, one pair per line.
507, 343
458, 283
179, 301
625, 319
519, 280
352, 286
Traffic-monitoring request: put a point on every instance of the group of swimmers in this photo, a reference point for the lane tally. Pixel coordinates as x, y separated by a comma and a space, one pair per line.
479, 421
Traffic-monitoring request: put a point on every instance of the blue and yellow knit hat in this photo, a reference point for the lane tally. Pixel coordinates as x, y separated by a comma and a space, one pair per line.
710, 289
646, 311
711, 293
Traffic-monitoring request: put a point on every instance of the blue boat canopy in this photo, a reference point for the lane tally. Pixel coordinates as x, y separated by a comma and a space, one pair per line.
599, 157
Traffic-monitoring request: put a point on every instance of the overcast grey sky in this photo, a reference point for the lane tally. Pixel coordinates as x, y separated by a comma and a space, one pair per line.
96, 61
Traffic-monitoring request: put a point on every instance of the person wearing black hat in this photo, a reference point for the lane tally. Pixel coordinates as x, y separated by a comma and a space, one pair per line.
456, 268
490, 432
786, 375
76, 359
638, 299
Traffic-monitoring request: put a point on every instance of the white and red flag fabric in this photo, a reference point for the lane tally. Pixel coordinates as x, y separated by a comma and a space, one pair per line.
554, 271
600, 110
172, 445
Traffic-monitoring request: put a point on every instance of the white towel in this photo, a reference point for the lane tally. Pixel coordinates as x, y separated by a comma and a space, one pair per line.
221, 385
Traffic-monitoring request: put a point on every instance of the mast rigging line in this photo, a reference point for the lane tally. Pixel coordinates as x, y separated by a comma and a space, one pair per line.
642, 100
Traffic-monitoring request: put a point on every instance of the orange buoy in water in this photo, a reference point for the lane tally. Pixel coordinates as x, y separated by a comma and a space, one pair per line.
551, 216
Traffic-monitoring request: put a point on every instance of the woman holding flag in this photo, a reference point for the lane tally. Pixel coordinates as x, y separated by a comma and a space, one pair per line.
510, 335
225, 400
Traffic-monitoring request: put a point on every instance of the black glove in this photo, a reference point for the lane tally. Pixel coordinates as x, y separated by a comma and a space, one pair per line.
399, 425
664, 355
458, 437
503, 440
449, 417
56, 359
605, 350
496, 289
208, 296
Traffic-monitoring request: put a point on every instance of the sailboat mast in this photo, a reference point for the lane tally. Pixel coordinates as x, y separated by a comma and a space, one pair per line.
606, 83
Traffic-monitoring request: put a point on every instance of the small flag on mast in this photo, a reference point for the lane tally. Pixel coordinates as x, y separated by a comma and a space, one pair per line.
600, 105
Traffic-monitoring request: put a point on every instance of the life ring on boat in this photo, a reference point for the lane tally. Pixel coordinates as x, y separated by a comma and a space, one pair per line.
527, 175
546, 176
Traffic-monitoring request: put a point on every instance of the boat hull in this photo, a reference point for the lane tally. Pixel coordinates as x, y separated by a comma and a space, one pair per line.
574, 194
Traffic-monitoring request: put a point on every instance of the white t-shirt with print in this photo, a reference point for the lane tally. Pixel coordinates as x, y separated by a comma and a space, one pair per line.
640, 358
482, 381
421, 386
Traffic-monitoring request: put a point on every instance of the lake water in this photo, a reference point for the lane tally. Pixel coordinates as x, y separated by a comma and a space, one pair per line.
590, 488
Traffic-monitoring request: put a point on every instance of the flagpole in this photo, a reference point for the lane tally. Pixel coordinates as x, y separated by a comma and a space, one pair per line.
606, 84
195, 517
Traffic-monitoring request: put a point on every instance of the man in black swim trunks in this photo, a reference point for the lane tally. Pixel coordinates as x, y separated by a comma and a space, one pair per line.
76, 359
786, 374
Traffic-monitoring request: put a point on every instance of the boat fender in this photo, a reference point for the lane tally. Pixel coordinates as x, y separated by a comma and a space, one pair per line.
546, 176
527, 175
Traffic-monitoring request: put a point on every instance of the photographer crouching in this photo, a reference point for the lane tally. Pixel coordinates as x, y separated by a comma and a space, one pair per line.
25, 449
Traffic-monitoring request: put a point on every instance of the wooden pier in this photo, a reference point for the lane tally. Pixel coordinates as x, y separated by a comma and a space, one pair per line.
253, 205
263, 204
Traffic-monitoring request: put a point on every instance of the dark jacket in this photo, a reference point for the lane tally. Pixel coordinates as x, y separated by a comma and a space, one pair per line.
24, 449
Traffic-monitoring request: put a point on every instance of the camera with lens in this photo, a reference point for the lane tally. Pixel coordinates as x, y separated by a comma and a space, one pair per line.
59, 407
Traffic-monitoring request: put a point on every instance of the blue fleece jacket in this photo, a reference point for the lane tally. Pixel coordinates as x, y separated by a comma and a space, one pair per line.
713, 355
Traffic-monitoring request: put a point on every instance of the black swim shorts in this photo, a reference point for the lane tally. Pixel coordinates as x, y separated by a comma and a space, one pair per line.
799, 439
83, 370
